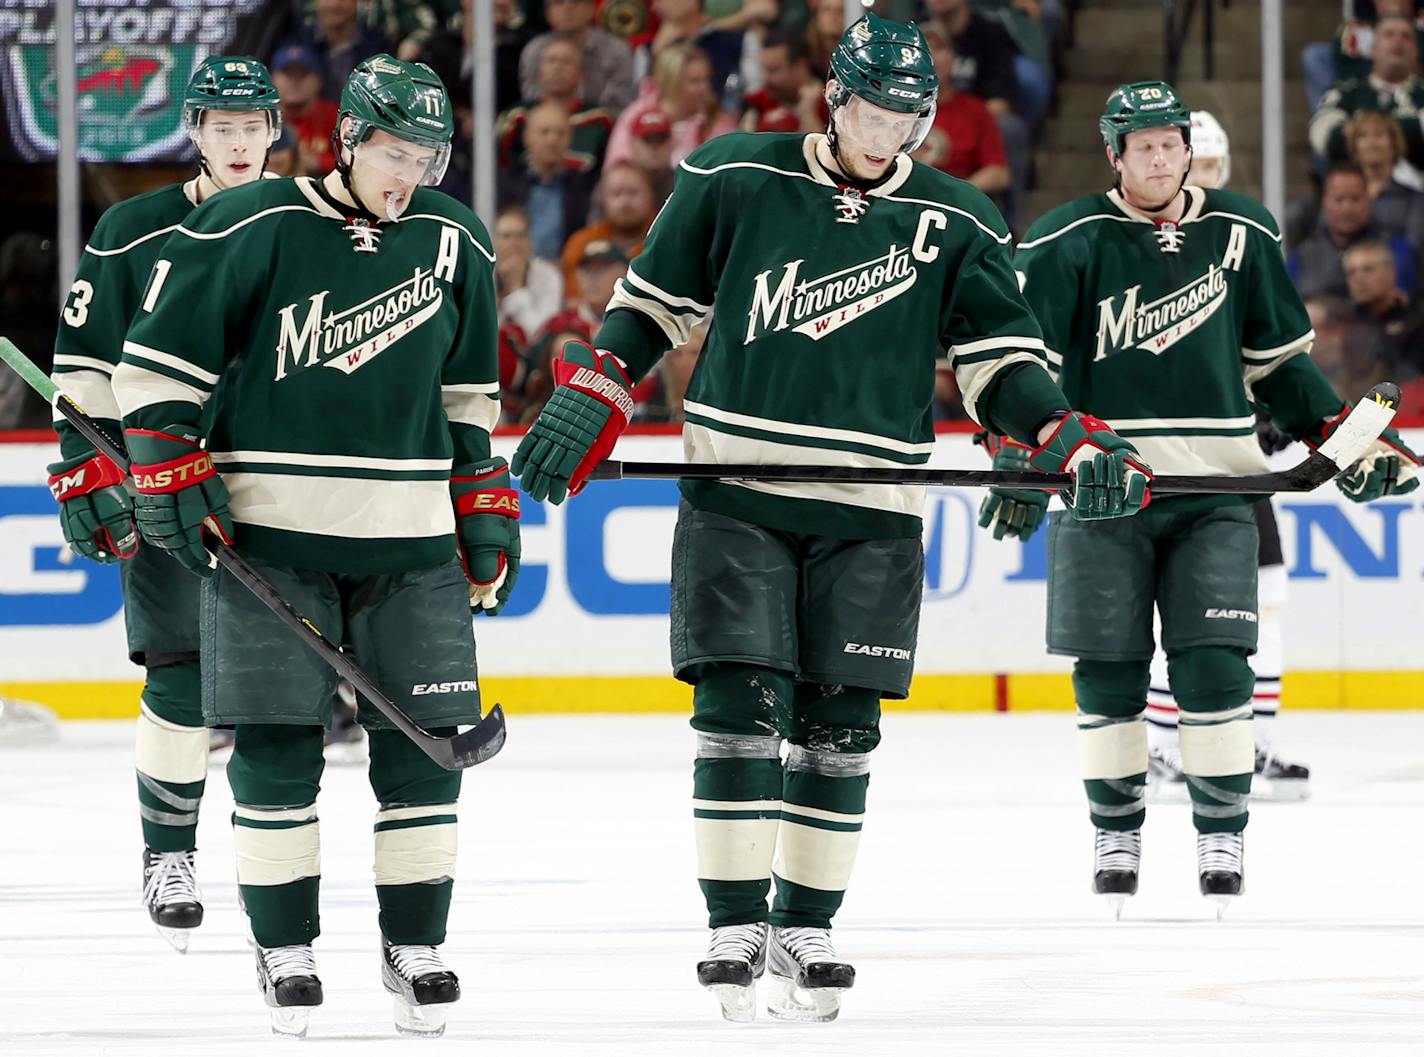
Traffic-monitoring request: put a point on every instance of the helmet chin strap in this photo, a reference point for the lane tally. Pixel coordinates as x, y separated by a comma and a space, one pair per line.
343, 169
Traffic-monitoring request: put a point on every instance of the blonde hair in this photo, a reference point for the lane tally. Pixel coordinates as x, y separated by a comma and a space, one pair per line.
1372, 118
670, 67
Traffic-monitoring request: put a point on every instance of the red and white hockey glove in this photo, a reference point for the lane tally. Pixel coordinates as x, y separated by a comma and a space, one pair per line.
1109, 477
95, 512
487, 529
179, 495
590, 409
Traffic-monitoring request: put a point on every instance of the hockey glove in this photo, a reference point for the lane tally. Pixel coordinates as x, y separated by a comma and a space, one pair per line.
95, 512
179, 495
1388, 466
578, 427
487, 530
1013, 512
1109, 477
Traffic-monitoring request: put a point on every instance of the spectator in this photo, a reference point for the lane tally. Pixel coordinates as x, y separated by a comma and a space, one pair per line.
823, 33
530, 290
984, 66
1386, 338
450, 55
607, 60
296, 72
1330, 319
681, 87
599, 266
652, 153
1347, 57
1376, 144
1344, 220
407, 24
627, 199
340, 40
553, 186
560, 79
565, 327
790, 99
964, 140
659, 396
689, 21
1393, 86
1022, 22
282, 157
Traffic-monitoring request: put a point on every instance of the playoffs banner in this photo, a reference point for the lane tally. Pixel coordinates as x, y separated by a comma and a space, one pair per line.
134, 59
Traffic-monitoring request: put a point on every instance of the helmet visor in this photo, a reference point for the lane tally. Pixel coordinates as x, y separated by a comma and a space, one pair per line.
880, 132
231, 130
410, 162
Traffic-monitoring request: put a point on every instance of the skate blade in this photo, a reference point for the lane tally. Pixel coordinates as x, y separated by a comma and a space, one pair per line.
1116, 901
1221, 902
290, 1021
738, 1003
176, 938
420, 1021
787, 1001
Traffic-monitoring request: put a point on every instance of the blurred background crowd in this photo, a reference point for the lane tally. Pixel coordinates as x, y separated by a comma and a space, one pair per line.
599, 100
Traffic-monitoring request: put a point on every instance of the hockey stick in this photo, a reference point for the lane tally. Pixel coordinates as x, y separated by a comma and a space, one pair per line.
1345, 446
475, 745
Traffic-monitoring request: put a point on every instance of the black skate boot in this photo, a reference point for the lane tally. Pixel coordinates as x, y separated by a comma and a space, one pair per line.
422, 984
736, 958
807, 977
1278, 779
1221, 867
286, 976
170, 891
1117, 858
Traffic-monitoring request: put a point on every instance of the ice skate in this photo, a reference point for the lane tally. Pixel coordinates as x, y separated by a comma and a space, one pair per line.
1221, 866
1166, 784
170, 891
1278, 779
423, 987
736, 957
807, 978
286, 976
1117, 858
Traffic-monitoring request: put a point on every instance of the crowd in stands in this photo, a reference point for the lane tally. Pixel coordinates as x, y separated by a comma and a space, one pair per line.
1355, 252
599, 100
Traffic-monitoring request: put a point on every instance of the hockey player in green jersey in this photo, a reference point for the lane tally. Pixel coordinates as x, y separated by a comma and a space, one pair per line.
232, 115
841, 270
312, 375
1167, 311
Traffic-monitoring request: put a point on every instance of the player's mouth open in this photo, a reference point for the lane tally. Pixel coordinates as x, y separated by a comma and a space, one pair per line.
240, 166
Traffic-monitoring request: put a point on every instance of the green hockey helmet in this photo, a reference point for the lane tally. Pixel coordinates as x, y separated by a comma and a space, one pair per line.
1142, 105
406, 100
888, 65
231, 82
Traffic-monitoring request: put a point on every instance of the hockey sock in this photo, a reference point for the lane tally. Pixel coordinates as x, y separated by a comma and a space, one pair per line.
1213, 687
171, 756
1112, 740
275, 772
823, 801
738, 710
1267, 661
415, 836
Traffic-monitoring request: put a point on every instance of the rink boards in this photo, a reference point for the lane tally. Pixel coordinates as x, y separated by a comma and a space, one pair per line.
587, 629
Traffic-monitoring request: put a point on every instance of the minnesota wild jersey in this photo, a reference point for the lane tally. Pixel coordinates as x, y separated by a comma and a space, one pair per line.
1169, 331
351, 363
832, 305
112, 274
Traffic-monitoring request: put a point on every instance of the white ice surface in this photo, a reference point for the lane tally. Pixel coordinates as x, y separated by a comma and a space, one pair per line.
577, 920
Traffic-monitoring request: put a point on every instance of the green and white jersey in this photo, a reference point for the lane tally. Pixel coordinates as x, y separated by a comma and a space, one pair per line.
112, 274
829, 308
1166, 330
351, 363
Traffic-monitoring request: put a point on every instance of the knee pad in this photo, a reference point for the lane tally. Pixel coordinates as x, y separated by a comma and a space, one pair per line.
174, 693
1112, 737
1213, 685
834, 720
739, 710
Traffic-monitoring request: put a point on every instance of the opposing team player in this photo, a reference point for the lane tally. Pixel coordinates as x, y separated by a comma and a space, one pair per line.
312, 375
1167, 311
1276, 778
232, 115
841, 271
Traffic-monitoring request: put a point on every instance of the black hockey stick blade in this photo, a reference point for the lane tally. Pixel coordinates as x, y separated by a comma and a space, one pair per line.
1351, 439
456, 753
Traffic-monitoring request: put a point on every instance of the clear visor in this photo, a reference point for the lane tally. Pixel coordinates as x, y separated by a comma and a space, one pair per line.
880, 132
412, 164
215, 132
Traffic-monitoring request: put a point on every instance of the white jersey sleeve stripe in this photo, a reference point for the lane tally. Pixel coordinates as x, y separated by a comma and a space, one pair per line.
166, 359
